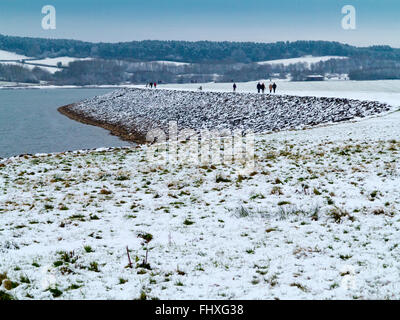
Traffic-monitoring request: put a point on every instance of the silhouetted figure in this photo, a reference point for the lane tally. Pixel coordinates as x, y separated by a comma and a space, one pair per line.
234, 87
263, 87
274, 86
258, 87
270, 88
151, 84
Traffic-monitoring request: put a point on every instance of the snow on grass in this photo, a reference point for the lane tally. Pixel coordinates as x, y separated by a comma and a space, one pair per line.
52, 62
309, 88
318, 218
309, 60
386, 91
171, 63
31, 67
65, 61
7, 55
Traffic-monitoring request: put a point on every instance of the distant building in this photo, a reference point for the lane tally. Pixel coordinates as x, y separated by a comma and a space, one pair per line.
315, 78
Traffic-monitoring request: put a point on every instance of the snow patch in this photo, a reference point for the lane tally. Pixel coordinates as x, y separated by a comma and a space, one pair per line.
309, 60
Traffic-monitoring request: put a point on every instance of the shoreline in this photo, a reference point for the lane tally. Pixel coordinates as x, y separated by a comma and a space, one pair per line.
114, 130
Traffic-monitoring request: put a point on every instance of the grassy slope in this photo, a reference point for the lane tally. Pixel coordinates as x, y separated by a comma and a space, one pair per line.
320, 210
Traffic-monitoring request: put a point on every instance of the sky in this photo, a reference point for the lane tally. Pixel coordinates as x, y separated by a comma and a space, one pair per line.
377, 21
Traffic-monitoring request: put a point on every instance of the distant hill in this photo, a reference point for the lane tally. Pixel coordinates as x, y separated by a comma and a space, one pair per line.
192, 52
86, 63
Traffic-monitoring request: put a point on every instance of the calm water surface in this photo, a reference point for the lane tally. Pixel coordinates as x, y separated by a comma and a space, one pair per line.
30, 123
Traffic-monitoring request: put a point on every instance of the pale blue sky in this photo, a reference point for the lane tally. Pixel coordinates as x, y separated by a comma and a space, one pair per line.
378, 21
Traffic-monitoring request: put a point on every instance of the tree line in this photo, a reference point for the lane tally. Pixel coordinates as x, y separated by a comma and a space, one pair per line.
187, 51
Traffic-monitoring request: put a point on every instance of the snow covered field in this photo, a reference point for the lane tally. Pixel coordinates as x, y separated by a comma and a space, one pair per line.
309, 60
53, 62
11, 57
31, 66
385, 91
172, 63
65, 61
6, 55
317, 219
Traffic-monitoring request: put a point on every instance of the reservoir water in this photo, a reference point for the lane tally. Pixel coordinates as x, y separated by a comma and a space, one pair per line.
30, 123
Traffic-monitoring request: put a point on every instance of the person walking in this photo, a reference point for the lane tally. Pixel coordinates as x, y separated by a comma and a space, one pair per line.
151, 84
274, 86
155, 85
263, 87
270, 88
234, 87
258, 87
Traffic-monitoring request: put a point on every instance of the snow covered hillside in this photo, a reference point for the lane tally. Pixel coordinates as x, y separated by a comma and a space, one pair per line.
318, 218
7, 55
139, 110
65, 61
171, 63
309, 60
32, 66
48, 64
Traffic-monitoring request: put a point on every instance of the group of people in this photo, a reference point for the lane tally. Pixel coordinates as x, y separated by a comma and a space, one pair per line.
151, 85
261, 87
